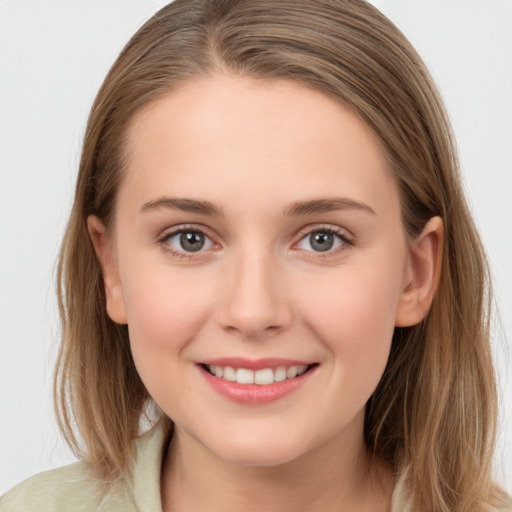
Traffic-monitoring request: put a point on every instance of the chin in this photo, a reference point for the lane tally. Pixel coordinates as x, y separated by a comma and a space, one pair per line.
258, 458
264, 451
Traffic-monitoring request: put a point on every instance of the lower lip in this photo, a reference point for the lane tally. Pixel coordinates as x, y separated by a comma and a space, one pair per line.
255, 393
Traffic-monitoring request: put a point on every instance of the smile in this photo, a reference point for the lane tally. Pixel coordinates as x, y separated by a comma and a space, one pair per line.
256, 382
262, 377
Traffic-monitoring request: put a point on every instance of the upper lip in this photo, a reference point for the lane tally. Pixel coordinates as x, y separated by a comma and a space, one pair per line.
253, 364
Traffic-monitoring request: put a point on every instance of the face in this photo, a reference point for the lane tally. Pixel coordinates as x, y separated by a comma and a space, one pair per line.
258, 237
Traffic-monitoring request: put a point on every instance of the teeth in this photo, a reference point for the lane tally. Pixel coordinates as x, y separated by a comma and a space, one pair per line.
263, 377
292, 372
260, 377
244, 376
229, 374
280, 374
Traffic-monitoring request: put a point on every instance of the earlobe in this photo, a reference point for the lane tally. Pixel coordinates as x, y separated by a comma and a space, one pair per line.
423, 274
104, 251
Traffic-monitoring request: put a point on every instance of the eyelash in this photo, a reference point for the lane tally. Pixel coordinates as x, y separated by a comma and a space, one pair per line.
338, 233
182, 229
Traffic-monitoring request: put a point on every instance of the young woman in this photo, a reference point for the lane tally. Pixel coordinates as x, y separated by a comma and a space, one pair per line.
270, 258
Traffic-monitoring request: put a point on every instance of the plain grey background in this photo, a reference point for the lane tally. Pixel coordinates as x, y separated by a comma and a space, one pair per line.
53, 57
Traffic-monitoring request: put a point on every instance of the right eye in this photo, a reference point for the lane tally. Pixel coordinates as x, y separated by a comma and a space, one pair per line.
186, 241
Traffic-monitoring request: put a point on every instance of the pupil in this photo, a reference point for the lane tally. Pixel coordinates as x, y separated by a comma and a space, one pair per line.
322, 241
192, 241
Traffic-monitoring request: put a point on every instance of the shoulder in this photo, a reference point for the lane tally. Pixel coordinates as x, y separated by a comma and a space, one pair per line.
75, 488
68, 488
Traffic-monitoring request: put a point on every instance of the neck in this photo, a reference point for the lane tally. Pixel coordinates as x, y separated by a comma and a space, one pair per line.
195, 479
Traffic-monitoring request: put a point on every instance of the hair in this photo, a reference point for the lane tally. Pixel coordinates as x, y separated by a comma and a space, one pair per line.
433, 414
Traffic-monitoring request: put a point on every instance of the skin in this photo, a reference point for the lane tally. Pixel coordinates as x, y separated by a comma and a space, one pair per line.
259, 289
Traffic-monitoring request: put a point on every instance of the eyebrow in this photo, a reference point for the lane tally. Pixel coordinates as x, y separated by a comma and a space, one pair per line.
296, 209
325, 205
183, 204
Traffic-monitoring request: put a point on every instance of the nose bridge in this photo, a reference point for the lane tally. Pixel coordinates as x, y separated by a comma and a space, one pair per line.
254, 301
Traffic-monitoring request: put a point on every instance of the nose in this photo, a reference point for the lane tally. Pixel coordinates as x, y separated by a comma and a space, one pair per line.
254, 302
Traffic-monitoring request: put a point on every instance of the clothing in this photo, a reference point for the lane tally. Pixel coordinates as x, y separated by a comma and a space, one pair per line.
74, 489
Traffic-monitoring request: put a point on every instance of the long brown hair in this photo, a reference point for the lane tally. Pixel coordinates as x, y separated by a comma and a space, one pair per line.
433, 415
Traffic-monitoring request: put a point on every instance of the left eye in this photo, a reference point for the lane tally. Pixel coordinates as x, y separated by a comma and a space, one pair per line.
188, 241
321, 241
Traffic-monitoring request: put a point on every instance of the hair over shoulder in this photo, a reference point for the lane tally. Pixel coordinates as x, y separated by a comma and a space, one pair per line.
433, 415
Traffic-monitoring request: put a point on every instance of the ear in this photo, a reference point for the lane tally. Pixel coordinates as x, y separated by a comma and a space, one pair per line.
105, 252
422, 274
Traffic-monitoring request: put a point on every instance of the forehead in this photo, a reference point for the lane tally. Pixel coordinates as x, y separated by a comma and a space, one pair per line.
238, 137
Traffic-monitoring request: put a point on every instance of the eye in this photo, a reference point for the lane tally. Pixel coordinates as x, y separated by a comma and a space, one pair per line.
187, 241
323, 240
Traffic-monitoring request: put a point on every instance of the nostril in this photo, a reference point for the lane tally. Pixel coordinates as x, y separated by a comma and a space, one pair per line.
252, 302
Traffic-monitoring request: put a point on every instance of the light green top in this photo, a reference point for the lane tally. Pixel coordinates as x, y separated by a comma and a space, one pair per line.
74, 489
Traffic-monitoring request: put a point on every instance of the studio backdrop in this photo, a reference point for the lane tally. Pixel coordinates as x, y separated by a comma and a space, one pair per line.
54, 55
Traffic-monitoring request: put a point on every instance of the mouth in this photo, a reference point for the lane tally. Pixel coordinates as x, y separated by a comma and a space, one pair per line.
260, 377
256, 381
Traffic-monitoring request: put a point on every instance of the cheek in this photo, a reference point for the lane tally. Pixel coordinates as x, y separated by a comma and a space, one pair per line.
356, 301
355, 322
354, 316
165, 310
